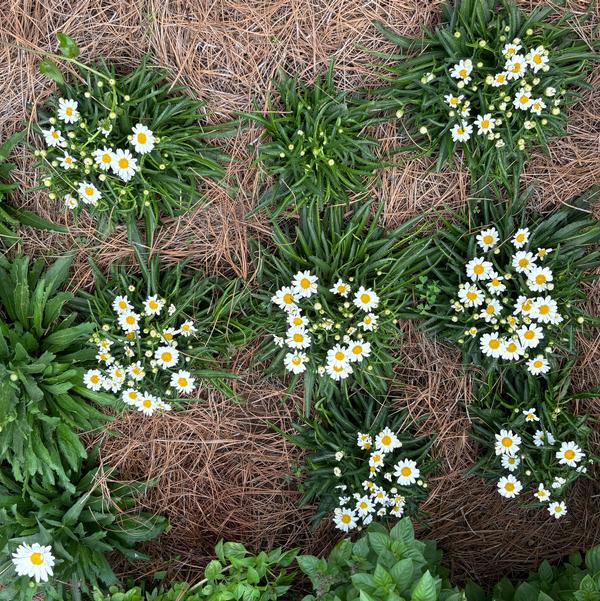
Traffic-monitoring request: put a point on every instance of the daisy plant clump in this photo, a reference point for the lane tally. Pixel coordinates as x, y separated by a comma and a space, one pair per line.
55, 541
331, 296
43, 355
363, 464
532, 446
123, 147
511, 292
315, 147
491, 80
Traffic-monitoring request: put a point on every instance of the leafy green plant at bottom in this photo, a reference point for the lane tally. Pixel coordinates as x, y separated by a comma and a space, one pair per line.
43, 403
81, 525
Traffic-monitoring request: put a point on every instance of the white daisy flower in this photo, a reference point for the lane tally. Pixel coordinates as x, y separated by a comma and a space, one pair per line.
34, 561
523, 305
531, 415
376, 459
530, 335
541, 438
544, 309
537, 105
304, 284
509, 487
500, 79
510, 462
295, 362
558, 482
364, 441
338, 372
121, 304
129, 321
67, 162
557, 509
491, 345
285, 298
366, 299
183, 381
117, 373
148, 403
464, 111
297, 338
124, 164
461, 132
368, 322
470, 295
538, 278
341, 288
297, 320
462, 70
511, 349
495, 285
130, 396
515, 67
406, 472
187, 328
136, 371
507, 443
478, 269
70, 202
88, 193
569, 454
542, 253
364, 506
166, 356
142, 138
488, 238
344, 519
522, 99
67, 110
521, 237
338, 354
397, 511
491, 311
103, 158
53, 137
168, 336
358, 350
523, 261
452, 100
542, 494
386, 441
538, 59
485, 124
92, 379
510, 50
153, 305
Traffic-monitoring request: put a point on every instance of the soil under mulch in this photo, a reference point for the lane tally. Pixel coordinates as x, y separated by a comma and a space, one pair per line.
222, 471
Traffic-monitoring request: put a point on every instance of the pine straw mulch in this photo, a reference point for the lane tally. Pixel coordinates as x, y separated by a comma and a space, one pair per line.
222, 470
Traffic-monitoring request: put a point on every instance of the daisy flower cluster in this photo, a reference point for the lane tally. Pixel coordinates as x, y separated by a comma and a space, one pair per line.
92, 165
533, 458
140, 358
509, 93
327, 329
34, 561
507, 301
390, 481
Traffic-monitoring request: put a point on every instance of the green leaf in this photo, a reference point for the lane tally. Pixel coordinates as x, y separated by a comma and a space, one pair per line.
592, 559
425, 590
50, 70
67, 45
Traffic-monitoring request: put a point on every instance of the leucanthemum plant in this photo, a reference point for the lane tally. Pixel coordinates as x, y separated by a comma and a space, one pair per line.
315, 146
490, 80
533, 448
364, 463
510, 291
123, 147
331, 295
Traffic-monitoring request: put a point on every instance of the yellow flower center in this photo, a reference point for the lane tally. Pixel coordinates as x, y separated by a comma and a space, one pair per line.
36, 559
357, 350
69, 110
557, 509
185, 328
485, 124
537, 364
142, 138
95, 379
55, 135
523, 262
511, 347
500, 78
544, 309
463, 73
507, 442
166, 356
147, 403
367, 320
298, 337
89, 191
340, 356
529, 335
494, 344
386, 440
182, 382
288, 298
509, 487
106, 158
490, 309
363, 505
495, 282
123, 163
346, 519
365, 298
338, 369
537, 59
478, 269
406, 471
540, 278
153, 305
520, 238
305, 283
526, 306
510, 51
460, 131
472, 295
341, 289
524, 99
516, 67
132, 395
130, 320
168, 336
296, 360
569, 454
136, 370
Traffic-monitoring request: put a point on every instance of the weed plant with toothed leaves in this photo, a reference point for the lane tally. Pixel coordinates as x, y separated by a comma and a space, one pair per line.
76, 528
363, 463
315, 147
489, 80
330, 293
125, 147
161, 333
510, 289
533, 447
43, 403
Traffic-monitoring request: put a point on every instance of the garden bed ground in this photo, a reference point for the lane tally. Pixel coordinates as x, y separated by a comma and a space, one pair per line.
223, 472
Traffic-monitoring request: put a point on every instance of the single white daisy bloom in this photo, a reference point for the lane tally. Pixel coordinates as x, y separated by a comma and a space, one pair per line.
341, 288
187, 328
148, 403
304, 284
491, 311
183, 381
509, 487
569, 454
511, 349
53, 137
542, 253
103, 157
491, 345
376, 459
123, 164
285, 298
452, 100
462, 70
537, 105
136, 371
406, 472
521, 237
34, 561
478, 269
510, 50
368, 322
500, 79
166, 356
496, 284
470, 295
542, 494
168, 336
522, 99
344, 519
67, 162
338, 371
531, 415
530, 335
523, 305
461, 132
544, 309
538, 59
515, 67
397, 511
130, 396
297, 320
297, 338
70, 202
153, 305
488, 238
386, 441
129, 321
142, 138
117, 373
366, 299
338, 355
358, 350
485, 124
67, 110
364, 441
510, 462
121, 304
364, 506
295, 362
88, 193
538, 278
92, 379
541, 438
464, 111
557, 509
523, 261
507, 443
